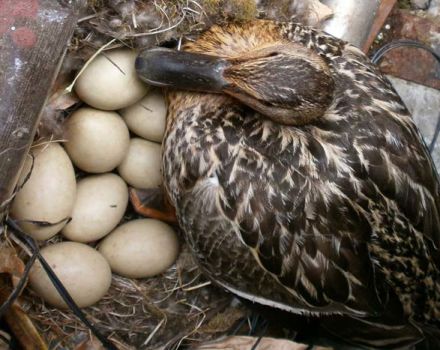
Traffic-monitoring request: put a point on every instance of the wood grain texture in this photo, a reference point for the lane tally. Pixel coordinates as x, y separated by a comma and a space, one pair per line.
33, 37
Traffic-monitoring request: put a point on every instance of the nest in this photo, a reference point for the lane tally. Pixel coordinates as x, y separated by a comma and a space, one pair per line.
142, 24
176, 308
179, 307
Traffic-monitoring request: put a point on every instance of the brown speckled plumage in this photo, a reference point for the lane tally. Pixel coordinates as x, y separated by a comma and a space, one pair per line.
338, 214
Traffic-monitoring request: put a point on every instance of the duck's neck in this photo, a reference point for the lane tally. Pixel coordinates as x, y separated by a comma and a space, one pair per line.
199, 105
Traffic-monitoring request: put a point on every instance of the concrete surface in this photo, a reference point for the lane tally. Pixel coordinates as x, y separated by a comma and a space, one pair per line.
434, 8
424, 104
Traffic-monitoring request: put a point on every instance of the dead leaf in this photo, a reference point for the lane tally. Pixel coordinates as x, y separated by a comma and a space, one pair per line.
62, 99
23, 329
11, 264
318, 12
246, 343
90, 344
12, 267
223, 321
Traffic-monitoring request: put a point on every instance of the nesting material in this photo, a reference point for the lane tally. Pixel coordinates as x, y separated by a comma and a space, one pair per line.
142, 163
48, 195
100, 205
83, 271
146, 313
146, 118
110, 82
97, 141
140, 248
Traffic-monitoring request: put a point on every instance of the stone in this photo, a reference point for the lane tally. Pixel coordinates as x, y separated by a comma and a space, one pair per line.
409, 63
420, 4
434, 8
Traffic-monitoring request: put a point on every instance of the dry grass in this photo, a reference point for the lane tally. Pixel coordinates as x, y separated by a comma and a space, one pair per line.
177, 307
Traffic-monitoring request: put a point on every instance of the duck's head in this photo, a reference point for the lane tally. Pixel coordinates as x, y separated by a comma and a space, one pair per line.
254, 63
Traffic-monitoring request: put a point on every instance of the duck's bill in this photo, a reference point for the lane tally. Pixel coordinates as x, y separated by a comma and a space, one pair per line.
181, 70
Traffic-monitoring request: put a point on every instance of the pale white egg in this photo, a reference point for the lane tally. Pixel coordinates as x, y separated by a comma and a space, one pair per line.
100, 204
49, 193
97, 141
142, 163
146, 118
140, 248
110, 81
82, 270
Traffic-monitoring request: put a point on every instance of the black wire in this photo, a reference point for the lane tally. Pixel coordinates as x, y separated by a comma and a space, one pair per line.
377, 56
435, 137
254, 347
255, 318
238, 326
19, 187
19, 287
33, 246
265, 326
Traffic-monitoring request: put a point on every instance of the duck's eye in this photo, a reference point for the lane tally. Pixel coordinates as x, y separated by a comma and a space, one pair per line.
273, 54
170, 44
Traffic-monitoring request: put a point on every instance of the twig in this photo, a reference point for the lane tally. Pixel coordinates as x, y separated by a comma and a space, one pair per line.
70, 87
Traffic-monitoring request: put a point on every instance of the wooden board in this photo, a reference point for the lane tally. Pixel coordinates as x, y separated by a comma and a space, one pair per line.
33, 37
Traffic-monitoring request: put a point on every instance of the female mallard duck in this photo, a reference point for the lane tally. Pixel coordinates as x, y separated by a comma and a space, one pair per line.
300, 180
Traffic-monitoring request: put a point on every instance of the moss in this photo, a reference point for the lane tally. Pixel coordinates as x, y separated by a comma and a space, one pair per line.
404, 4
231, 10
211, 6
242, 10
96, 4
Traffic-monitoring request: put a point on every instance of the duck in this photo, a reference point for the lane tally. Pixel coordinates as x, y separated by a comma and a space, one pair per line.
300, 181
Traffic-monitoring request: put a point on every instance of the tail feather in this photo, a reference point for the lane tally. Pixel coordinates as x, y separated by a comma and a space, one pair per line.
432, 339
366, 332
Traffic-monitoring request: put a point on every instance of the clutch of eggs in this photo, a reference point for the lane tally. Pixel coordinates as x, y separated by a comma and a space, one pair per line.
113, 141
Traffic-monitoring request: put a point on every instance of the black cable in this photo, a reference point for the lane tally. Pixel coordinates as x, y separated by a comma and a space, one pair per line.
254, 347
238, 327
20, 186
33, 246
435, 137
19, 287
265, 326
378, 55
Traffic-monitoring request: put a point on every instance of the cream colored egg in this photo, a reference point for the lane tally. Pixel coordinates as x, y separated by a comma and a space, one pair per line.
83, 271
141, 165
146, 118
49, 193
110, 82
97, 141
100, 204
140, 248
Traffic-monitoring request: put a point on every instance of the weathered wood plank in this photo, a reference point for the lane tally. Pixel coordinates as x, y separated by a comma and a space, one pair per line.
33, 37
